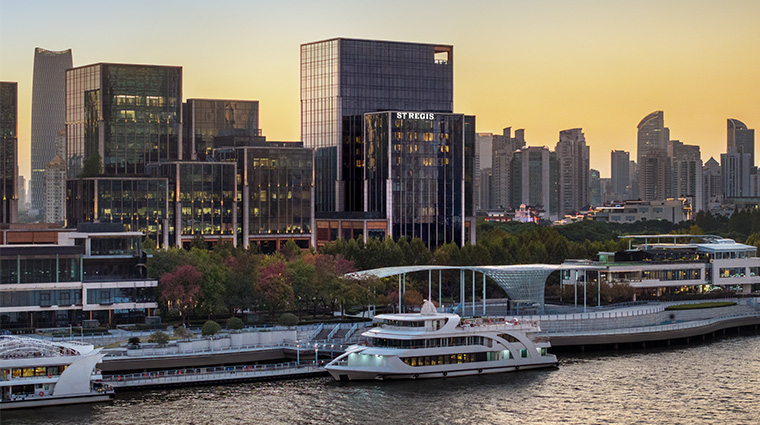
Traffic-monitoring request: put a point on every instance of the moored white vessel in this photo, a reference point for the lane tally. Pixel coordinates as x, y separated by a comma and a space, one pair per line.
435, 345
35, 373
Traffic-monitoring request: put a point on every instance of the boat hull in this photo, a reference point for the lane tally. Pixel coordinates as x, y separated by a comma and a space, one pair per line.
55, 401
347, 373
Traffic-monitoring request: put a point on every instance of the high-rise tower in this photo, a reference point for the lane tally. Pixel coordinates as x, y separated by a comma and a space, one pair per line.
8, 152
742, 138
341, 79
573, 160
652, 157
48, 113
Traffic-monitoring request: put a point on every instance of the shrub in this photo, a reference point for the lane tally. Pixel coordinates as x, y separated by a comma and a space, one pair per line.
182, 332
288, 319
210, 328
158, 337
698, 306
234, 323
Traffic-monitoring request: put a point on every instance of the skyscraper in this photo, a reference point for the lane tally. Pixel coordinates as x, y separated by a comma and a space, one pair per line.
8, 152
686, 173
503, 149
55, 190
48, 113
742, 138
573, 160
120, 120
735, 173
713, 184
534, 179
341, 79
652, 157
652, 134
620, 168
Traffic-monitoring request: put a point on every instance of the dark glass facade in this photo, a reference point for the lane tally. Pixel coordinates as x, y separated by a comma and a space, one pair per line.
276, 192
99, 275
419, 174
8, 152
217, 123
341, 79
140, 203
128, 114
202, 200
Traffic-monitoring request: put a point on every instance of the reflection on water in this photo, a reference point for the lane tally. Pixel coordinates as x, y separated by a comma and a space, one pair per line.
712, 383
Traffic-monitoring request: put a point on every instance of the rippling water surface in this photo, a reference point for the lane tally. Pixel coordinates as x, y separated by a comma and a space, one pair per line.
717, 383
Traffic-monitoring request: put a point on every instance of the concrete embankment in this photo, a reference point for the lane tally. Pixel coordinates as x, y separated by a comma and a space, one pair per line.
638, 326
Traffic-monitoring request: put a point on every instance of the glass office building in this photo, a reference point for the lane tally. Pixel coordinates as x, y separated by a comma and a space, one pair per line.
141, 204
217, 123
8, 152
130, 115
276, 180
341, 79
202, 200
418, 174
98, 274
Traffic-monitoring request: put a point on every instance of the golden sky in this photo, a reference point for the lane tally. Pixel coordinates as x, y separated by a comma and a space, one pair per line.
543, 66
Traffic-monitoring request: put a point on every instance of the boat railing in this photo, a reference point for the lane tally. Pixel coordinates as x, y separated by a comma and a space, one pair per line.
233, 371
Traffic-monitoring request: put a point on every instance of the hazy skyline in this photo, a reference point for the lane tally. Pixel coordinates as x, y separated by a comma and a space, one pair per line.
542, 66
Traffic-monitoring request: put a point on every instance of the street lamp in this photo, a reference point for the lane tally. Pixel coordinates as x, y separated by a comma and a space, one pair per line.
298, 355
316, 354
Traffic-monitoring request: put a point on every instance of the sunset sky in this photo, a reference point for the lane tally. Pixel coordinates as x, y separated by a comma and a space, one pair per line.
543, 66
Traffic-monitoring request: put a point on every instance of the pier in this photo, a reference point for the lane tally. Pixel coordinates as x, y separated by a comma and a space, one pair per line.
212, 375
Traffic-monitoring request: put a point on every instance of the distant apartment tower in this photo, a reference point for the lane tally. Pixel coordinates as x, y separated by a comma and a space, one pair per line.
620, 164
483, 160
712, 182
686, 173
742, 138
534, 179
55, 190
735, 170
8, 152
573, 160
486, 176
596, 188
48, 113
22, 198
503, 149
341, 79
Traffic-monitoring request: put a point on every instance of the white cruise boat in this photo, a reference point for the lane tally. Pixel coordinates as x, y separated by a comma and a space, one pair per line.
435, 345
35, 373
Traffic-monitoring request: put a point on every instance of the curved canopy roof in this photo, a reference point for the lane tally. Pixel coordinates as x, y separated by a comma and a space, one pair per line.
12, 347
519, 281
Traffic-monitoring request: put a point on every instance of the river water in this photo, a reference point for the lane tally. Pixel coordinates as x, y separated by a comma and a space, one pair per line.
714, 383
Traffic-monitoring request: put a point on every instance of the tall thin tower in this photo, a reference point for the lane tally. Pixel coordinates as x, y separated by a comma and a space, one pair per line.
48, 113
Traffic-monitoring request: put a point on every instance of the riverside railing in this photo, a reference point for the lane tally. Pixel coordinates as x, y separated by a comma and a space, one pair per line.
655, 328
198, 374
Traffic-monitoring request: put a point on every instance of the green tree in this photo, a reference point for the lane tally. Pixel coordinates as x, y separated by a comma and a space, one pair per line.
210, 328
158, 337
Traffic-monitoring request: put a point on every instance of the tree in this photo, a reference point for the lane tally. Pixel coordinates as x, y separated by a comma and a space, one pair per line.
180, 290
234, 323
240, 285
210, 328
134, 342
302, 277
215, 273
199, 241
158, 337
275, 287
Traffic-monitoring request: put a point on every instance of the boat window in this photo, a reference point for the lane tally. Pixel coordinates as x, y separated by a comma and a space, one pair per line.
524, 353
508, 338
